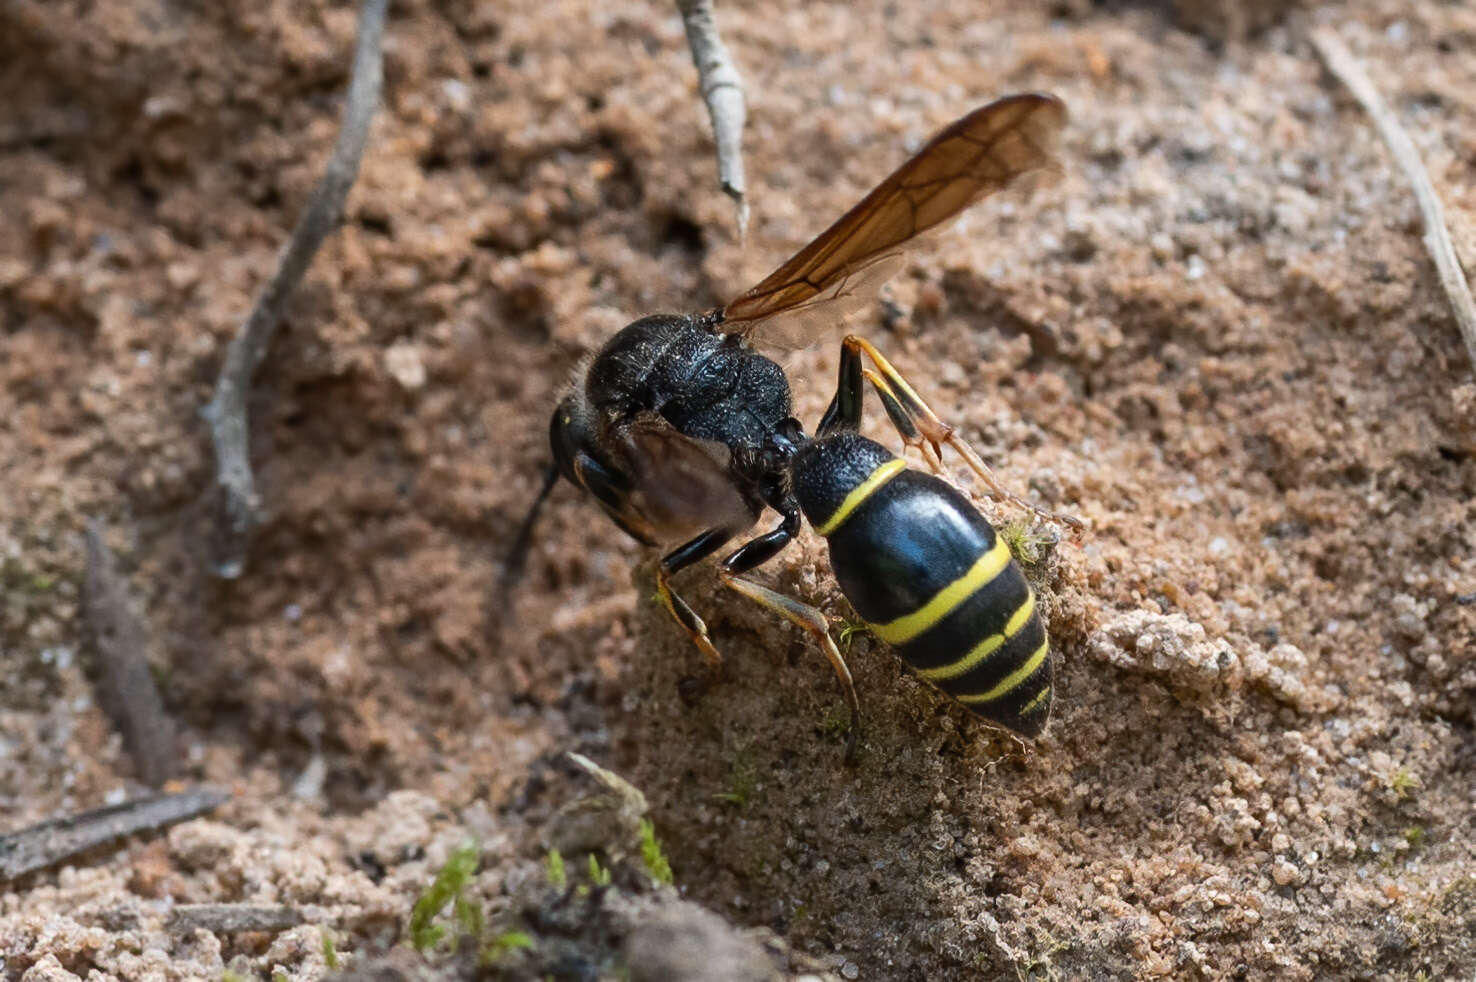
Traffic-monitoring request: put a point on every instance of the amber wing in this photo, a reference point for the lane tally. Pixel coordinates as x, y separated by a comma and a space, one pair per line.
982, 153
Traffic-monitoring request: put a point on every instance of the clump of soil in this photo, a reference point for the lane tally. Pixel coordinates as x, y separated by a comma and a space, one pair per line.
1219, 340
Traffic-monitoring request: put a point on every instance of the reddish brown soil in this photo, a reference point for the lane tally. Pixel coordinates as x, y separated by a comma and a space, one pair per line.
1219, 340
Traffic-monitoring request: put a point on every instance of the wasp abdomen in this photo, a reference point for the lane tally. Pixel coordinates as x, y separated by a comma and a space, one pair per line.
930, 576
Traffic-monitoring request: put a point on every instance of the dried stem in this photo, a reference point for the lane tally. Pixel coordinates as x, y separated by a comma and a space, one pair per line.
233, 918
126, 687
722, 90
238, 508
48, 843
1345, 67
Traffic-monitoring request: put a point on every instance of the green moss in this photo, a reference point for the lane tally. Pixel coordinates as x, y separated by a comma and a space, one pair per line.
25, 593
15, 576
503, 944
468, 916
1404, 783
1460, 899
1040, 963
330, 949
1028, 543
652, 855
446, 888
742, 781
1415, 836
837, 721
558, 878
848, 632
598, 875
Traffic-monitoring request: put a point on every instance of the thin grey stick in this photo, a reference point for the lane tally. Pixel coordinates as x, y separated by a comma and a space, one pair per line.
48, 843
233, 918
238, 507
722, 90
126, 687
1346, 68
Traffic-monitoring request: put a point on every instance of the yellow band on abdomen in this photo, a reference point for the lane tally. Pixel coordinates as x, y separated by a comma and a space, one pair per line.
860, 493
909, 626
984, 648
1035, 702
1010, 681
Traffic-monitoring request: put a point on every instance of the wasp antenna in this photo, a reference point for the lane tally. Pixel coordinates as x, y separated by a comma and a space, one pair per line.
517, 556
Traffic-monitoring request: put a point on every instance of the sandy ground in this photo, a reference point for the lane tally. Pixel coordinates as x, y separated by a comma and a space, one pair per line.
1218, 340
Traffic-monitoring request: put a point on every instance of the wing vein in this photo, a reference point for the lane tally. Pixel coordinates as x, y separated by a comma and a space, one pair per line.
984, 152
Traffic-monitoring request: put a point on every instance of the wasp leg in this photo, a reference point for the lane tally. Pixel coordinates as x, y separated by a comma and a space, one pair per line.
672, 563
611, 489
811, 620
760, 550
843, 415
919, 426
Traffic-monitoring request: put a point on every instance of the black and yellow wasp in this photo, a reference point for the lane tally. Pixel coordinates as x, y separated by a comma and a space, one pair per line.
682, 433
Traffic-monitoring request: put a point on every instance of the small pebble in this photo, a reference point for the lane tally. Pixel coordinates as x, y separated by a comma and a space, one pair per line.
1284, 873
403, 363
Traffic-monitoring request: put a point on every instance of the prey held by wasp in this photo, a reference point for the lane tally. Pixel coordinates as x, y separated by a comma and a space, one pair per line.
682, 432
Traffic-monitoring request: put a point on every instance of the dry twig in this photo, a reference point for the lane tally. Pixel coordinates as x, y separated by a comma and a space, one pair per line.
1340, 61
126, 686
722, 90
238, 508
48, 843
233, 918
